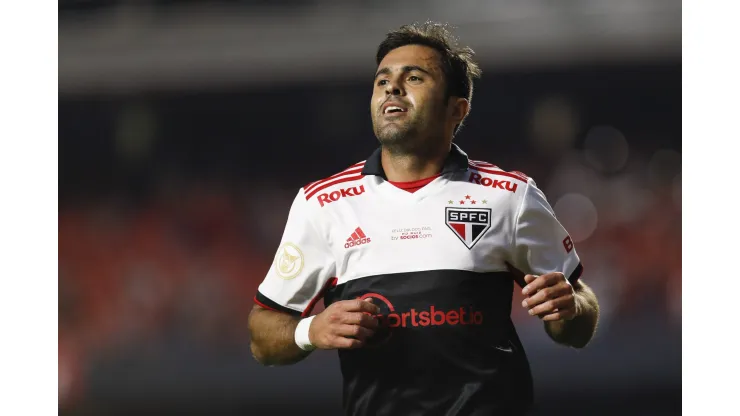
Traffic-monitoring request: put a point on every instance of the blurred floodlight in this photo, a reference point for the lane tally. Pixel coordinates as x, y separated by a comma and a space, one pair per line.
572, 175
606, 149
554, 123
663, 167
578, 215
630, 199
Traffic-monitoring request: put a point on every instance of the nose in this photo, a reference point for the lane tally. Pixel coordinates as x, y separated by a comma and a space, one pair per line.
393, 87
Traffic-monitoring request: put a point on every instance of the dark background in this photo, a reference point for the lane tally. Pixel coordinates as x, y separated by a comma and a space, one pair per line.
177, 168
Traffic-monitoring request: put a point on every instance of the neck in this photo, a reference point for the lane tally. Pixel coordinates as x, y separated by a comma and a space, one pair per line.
408, 167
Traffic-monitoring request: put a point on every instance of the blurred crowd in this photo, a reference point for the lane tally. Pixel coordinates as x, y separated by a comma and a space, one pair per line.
186, 265
171, 208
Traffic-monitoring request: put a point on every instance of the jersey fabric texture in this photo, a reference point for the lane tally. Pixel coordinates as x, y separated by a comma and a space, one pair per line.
441, 263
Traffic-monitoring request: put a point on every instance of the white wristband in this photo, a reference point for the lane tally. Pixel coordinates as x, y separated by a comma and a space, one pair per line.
301, 334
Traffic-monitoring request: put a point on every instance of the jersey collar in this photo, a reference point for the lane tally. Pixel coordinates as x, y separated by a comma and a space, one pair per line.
456, 161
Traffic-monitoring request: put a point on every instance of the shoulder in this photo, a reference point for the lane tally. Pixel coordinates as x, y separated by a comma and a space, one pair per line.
330, 189
489, 175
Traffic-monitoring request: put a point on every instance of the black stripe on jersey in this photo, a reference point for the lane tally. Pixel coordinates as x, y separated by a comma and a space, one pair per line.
270, 304
445, 345
576, 274
518, 275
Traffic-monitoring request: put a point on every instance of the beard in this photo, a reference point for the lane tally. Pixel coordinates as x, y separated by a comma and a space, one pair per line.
416, 133
398, 137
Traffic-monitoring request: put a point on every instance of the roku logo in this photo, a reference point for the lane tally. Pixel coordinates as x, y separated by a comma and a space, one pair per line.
493, 183
328, 198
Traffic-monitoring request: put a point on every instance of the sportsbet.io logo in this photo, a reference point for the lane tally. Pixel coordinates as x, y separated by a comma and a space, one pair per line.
390, 318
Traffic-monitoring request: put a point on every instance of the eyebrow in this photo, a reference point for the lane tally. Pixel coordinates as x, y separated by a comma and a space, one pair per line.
406, 68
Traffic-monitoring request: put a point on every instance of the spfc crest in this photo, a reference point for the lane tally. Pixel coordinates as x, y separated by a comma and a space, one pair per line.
468, 224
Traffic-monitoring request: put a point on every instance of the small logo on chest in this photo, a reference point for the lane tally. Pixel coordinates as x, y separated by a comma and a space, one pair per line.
357, 238
468, 224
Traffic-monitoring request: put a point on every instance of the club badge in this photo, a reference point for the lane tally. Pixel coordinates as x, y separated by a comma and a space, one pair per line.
468, 223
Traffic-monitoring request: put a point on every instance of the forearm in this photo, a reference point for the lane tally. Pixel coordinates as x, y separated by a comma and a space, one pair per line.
578, 331
273, 337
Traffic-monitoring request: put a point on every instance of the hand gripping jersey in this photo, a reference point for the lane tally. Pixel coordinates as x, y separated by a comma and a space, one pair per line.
435, 261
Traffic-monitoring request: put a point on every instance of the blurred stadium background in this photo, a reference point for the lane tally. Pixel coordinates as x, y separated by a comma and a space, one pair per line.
186, 127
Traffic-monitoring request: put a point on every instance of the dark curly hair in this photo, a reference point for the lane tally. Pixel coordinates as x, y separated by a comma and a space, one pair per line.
458, 65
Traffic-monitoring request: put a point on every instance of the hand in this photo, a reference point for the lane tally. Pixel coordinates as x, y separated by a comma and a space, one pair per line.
344, 325
550, 297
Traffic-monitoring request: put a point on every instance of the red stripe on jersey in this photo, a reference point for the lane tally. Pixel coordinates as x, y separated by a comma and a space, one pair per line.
483, 164
331, 283
328, 184
356, 168
496, 172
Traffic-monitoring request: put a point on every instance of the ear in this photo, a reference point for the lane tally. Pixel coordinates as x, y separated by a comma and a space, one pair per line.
458, 108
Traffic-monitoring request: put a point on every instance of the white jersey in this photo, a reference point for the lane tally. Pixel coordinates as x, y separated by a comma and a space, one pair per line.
438, 261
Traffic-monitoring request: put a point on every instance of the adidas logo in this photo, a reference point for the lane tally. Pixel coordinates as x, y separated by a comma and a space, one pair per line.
357, 238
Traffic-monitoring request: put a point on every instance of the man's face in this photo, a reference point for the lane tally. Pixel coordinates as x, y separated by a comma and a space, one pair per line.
408, 101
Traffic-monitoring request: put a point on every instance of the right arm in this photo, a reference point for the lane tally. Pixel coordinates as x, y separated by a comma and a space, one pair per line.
303, 270
273, 337
342, 325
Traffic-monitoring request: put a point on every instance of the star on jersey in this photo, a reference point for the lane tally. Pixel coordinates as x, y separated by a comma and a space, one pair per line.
468, 201
468, 223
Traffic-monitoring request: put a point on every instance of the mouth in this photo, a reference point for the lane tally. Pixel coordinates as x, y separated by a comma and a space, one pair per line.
393, 109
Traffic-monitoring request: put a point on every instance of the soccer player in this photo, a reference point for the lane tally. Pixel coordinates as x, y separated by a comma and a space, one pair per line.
415, 252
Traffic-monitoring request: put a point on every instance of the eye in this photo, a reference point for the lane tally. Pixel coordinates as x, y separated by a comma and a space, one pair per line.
382, 82
414, 78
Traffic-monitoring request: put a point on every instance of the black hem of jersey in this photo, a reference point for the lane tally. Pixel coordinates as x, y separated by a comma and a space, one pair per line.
518, 275
259, 297
576, 274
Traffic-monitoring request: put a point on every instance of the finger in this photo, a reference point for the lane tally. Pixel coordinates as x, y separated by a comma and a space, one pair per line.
360, 318
550, 306
560, 314
369, 307
354, 331
369, 321
540, 282
346, 343
551, 292
360, 305
560, 304
554, 278
534, 283
529, 278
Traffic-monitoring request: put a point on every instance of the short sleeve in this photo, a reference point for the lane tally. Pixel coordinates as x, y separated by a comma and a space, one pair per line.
303, 266
541, 244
